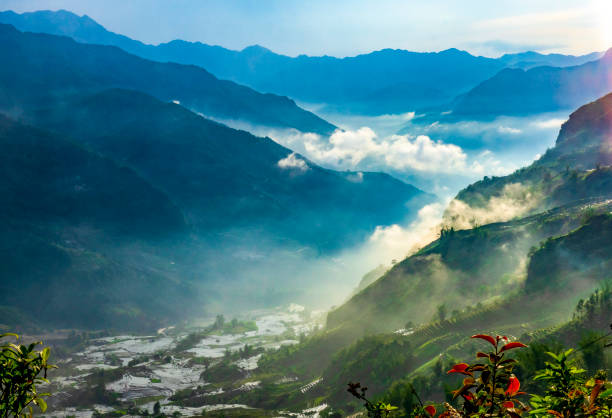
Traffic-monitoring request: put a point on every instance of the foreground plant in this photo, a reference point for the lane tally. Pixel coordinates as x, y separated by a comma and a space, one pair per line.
21, 367
375, 409
569, 393
490, 388
382, 409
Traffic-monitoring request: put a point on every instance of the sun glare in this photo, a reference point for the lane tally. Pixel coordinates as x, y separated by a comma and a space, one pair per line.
603, 11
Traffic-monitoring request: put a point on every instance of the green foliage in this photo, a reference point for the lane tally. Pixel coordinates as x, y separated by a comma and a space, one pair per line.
21, 367
138, 360
596, 306
592, 347
531, 360
219, 322
378, 360
375, 409
224, 371
494, 391
441, 312
491, 388
569, 393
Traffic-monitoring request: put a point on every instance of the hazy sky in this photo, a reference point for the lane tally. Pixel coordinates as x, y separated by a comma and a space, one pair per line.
347, 27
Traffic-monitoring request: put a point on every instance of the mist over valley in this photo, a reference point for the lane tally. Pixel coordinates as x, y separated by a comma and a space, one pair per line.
202, 230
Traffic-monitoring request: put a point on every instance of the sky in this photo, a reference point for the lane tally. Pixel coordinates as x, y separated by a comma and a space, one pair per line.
349, 27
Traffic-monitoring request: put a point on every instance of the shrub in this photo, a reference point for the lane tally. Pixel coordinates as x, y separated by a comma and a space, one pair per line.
21, 367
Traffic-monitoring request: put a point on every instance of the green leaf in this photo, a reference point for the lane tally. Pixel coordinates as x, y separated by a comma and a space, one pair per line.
41, 404
606, 393
45, 354
553, 355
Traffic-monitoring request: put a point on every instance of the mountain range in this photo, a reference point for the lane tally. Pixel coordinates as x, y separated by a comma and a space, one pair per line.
45, 67
385, 81
515, 91
126, 193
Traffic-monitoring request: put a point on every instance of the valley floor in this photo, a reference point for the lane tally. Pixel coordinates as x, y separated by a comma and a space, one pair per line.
128, 374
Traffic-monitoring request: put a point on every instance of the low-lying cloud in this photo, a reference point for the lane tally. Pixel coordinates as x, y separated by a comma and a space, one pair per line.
293, 162
440, 157
397, 241
514, 200
362, 149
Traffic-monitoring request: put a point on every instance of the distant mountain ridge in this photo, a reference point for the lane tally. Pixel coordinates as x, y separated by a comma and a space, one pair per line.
530, 59
514, 91
71, 65
385, 81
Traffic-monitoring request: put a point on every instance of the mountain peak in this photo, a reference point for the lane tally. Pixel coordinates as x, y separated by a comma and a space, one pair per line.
455, 51
256, 49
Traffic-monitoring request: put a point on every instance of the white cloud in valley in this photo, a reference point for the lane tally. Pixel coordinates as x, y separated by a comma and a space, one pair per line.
397, 241
362, 148
440, 157
292, 161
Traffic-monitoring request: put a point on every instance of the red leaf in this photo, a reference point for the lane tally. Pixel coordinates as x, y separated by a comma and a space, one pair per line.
510, 346
431, 410
459, 368
481, 354
468, 396
487, 338
513, 386
508, 404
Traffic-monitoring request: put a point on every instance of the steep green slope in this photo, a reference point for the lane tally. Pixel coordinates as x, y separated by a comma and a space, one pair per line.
570, 263
460, 269
40, 67
227, 179
577, 167
66, 212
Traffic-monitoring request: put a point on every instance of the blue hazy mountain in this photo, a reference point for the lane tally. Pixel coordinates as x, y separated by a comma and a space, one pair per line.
119, 185
109, 190
71, 65
515, 91
223, 178
115, 191
530, 59
75, 231
385, 81
92, 243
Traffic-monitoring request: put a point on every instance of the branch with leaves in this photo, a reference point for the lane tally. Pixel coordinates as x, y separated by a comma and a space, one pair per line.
22, 368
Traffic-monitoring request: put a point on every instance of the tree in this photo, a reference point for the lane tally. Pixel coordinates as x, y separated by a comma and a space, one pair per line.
219, 322
21, 367
441, 312
569, 392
